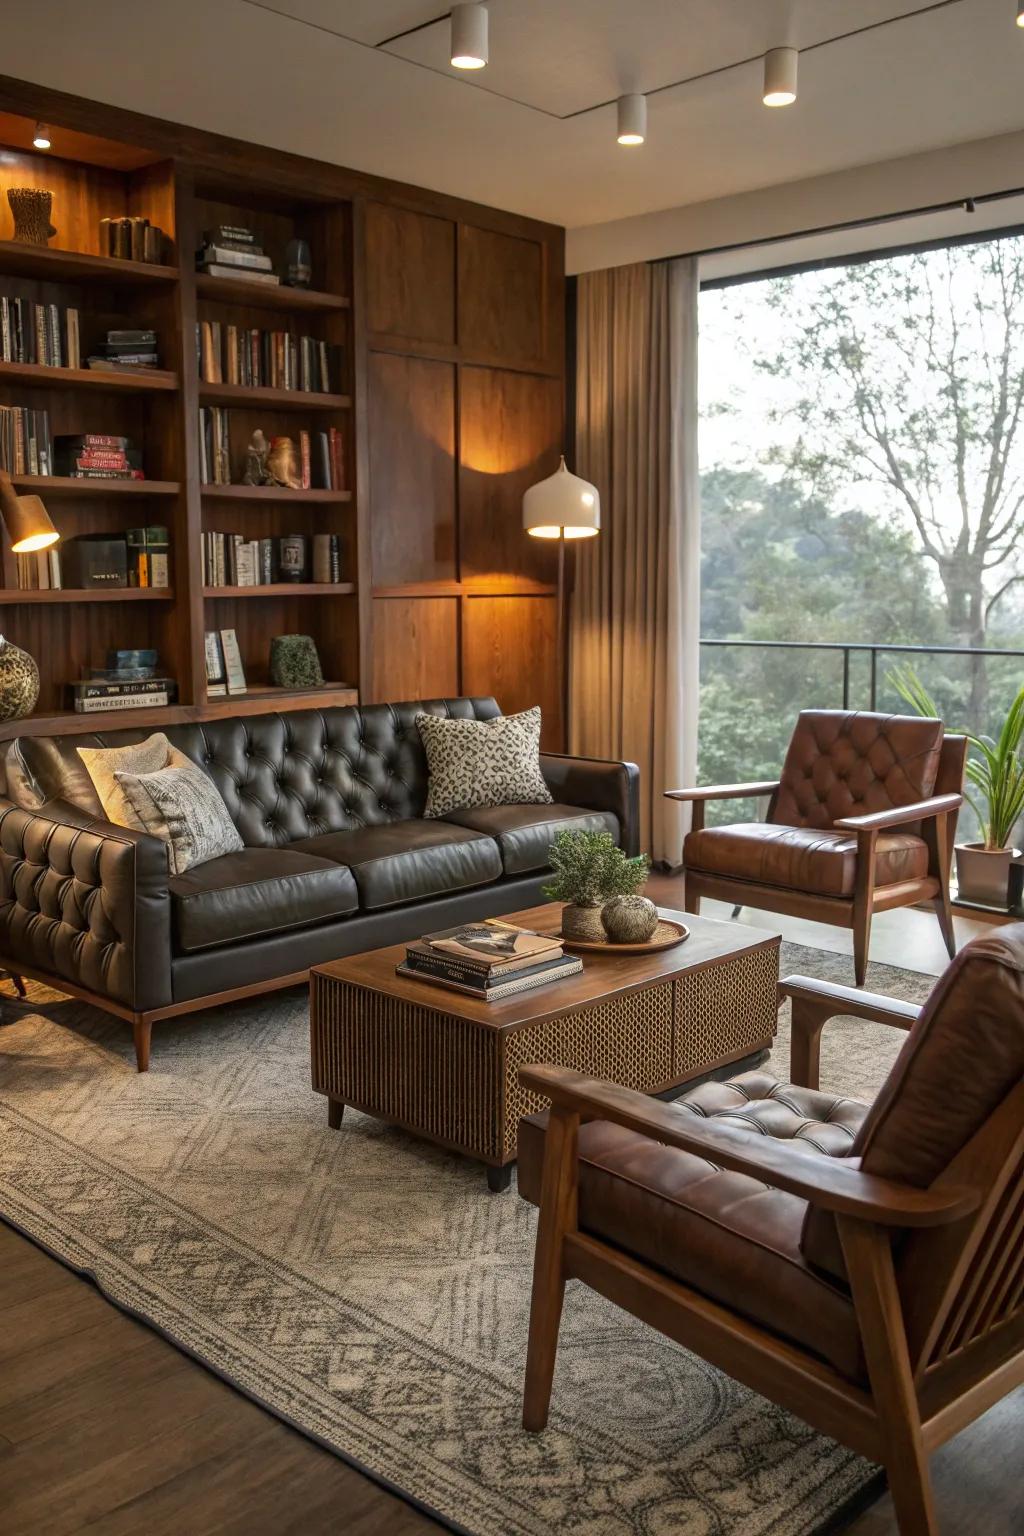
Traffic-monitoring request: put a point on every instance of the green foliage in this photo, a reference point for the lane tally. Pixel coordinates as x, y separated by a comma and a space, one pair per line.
590, 869
997, 772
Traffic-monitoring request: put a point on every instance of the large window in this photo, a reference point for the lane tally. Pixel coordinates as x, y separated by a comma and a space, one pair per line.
862, 457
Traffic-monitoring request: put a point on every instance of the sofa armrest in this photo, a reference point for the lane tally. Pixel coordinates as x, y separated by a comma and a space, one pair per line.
86, 901
597, 784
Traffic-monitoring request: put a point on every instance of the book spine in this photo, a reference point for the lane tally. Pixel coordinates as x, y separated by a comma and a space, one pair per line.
124, 701
304, 460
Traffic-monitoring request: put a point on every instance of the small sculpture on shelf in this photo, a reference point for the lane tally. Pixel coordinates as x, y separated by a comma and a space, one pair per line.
19, 682
283, 464
30, 208
256, 460
295, 662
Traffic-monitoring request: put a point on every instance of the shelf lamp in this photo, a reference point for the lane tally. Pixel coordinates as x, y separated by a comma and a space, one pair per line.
562, 507
26, 519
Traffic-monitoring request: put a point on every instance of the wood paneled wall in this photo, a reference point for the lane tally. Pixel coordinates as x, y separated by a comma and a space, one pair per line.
465, 386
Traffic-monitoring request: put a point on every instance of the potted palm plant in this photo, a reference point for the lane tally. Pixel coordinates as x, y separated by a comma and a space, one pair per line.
589, 868
995, 770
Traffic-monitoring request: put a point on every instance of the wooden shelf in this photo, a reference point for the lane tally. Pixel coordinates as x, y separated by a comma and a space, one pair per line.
89, 595
48, 265
66, 485
256, 701
283, 399
108, 380
271, 493
286, 589
238, 290
264, 699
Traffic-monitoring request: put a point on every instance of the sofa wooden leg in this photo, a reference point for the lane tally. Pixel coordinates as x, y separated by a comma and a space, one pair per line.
557, 1217
335, 1113
142, 1030
876, 1298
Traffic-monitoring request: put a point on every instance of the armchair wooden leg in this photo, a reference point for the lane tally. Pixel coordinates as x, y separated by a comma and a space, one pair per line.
142, 1030
863, 902
806, 1025
868, 1253
938, 837
557, 1217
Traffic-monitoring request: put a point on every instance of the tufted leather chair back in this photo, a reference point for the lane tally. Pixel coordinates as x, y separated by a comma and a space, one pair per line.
282, 776
840, 764
962, 1058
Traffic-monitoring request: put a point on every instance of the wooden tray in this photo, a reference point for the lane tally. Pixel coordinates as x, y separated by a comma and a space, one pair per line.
667, 934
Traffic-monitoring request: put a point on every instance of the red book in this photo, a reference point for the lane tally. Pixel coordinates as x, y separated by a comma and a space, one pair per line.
92, 458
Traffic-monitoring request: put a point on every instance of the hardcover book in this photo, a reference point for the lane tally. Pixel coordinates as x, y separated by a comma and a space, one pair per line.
491, 943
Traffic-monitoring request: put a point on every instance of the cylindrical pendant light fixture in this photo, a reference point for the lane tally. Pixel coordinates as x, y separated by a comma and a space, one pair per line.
28, 522
632, 119
469, 36
780, 67
41, 138
1020, 13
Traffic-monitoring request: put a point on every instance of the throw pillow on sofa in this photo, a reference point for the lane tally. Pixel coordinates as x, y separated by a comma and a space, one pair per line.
103, 763
477, 763
183, 807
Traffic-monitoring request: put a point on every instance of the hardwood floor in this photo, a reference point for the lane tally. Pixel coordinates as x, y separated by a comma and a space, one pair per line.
107, 1428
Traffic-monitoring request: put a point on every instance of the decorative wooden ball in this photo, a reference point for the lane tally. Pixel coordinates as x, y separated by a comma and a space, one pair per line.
629, 919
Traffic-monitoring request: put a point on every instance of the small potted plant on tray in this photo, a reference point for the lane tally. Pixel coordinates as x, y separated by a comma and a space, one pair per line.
589, 871
995, 770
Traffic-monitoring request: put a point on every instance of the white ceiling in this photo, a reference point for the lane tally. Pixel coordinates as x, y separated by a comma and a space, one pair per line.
309, 76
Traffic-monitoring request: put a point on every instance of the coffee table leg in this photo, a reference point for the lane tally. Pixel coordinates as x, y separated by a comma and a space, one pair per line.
499, 1179
335, 1110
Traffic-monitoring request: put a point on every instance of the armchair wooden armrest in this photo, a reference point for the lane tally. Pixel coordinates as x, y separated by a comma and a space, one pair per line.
828, 1182
815, 1002
921, 810
724, 791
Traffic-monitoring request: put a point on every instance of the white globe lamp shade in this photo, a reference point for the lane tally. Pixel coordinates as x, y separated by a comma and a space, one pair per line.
562, 506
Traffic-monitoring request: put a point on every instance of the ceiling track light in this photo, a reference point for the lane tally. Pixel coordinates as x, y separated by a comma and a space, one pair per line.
469, 36
41, 138
780, 68
632, 119
1020, 13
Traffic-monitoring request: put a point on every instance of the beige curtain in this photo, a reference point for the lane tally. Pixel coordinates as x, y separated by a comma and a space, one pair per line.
635, 625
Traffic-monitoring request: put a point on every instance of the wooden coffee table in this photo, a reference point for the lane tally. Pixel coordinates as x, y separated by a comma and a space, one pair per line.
446, 1066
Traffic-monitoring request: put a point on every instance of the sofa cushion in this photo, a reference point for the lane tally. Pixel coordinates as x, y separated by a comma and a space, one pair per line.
727, 1235
255, 892
409, 860
477, 763
524, 833
801, 858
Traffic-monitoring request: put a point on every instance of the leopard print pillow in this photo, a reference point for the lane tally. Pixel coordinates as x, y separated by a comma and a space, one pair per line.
478, 763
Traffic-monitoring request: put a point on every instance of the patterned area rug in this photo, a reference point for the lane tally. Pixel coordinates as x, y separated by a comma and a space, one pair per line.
367, 1288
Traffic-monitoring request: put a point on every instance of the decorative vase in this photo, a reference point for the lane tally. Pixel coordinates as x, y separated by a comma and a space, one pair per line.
19, 682
583, 923
295, 662
983, 874
629, 919
30, 207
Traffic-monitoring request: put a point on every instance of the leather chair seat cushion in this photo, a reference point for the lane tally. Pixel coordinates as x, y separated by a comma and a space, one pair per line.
408, 860
802, 858
256, 892
755, 1101
726, 1235
524, 833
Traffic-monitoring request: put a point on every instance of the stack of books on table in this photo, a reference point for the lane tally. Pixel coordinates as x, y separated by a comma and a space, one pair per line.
97, 456
130, 680
491, 960
230, 250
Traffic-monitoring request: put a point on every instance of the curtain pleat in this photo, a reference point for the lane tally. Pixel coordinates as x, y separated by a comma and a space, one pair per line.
635, 625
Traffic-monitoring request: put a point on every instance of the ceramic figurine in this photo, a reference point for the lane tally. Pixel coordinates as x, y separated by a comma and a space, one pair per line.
629, 919
283, 464
30, 207
256, 460
19, 682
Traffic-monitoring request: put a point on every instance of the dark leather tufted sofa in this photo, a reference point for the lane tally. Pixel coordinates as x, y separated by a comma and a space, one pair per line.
338, 857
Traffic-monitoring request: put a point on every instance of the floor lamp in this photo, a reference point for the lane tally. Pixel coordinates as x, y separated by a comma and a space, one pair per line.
562, 507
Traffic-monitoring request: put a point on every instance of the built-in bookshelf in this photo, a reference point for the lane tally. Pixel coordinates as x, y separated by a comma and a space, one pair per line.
158, 410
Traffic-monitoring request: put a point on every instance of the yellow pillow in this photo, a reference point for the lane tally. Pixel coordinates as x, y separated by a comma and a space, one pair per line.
149, 756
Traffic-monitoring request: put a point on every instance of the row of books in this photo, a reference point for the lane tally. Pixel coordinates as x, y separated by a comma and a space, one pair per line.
132, 238
39, 571
224, 670
229, 560
231, 250
257, 359
489, 960
39, 333
321, 455
138, 558
26, 447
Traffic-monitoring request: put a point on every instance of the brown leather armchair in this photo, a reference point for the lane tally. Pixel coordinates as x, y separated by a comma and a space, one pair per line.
862, 1267
861, 819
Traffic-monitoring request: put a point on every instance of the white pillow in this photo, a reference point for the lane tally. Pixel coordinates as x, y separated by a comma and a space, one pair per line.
478, 763
183, 806
102, 763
